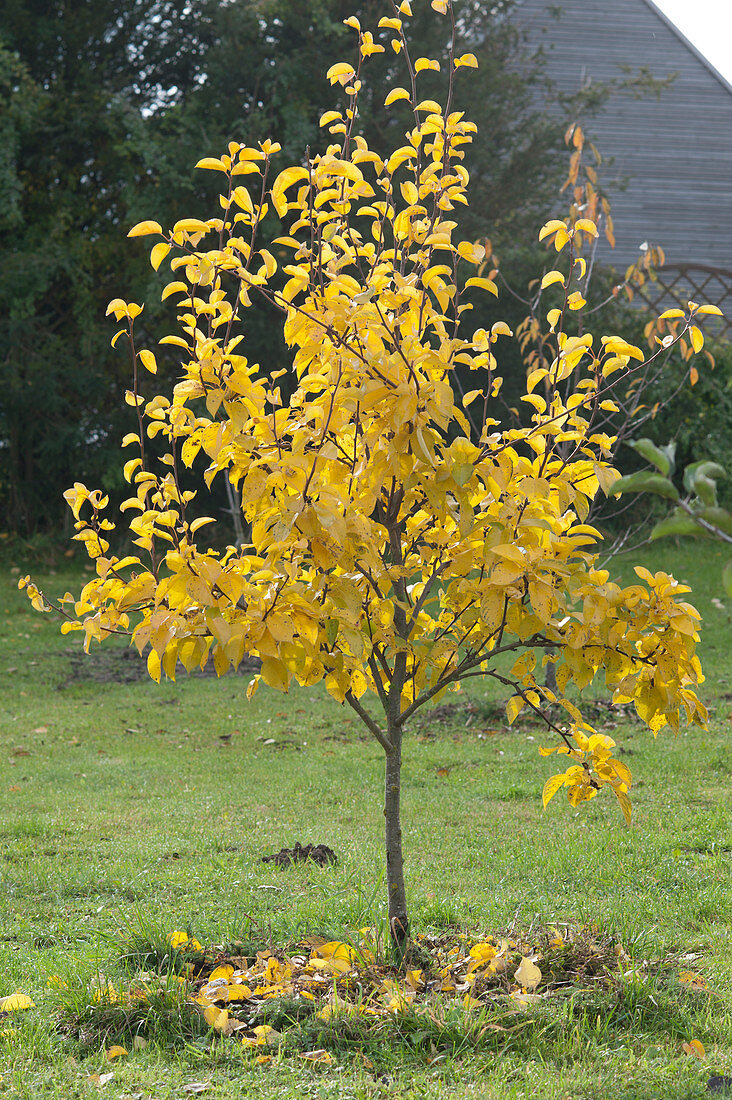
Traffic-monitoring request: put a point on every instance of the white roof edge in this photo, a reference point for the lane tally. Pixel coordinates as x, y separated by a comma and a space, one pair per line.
689, 45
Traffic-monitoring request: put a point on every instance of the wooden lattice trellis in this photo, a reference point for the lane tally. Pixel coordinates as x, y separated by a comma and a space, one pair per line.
676, 284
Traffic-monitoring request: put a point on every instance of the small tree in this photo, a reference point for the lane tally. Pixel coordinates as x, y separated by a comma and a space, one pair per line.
391, 555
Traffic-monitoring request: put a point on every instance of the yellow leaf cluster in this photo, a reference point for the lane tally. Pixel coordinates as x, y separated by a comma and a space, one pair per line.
395, 547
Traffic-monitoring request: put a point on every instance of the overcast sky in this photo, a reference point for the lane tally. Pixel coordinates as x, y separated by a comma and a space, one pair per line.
708, 25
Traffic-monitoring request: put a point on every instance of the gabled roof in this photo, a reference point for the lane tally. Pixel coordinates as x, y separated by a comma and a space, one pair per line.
667, 157
689, 45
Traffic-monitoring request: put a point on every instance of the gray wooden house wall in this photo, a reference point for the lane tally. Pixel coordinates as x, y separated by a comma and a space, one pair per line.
673, 151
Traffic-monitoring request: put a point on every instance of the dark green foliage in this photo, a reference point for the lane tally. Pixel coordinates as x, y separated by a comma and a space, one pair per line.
701, 425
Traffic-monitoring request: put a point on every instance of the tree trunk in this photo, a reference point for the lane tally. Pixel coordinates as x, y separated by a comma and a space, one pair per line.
398, 919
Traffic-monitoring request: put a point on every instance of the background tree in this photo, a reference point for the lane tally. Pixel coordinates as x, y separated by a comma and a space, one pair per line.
77, 82
391, 555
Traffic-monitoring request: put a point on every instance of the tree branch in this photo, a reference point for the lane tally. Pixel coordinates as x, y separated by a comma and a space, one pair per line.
369, 722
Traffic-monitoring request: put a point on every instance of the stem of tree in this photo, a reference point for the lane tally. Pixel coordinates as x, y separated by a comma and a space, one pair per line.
398, 919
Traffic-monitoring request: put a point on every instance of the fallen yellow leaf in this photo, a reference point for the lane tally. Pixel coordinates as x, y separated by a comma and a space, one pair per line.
177, 939
221, 972
414, 979
266, 1036
182, 939
528, 975
321, 1056
116, 1052
216, 1018
696, 1049
16, 1002
238, 993
692, 979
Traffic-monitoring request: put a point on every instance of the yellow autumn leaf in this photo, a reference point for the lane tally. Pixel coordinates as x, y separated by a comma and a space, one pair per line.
483, 952
692, 979
396, 94
514, 706
337, 949
552, 785
148, 361
172, 288
414, 979
696, 1049
587, 226
238, 993
221, 972
697, 338
483, 284
16, 1002
551, 227
561, 237
552, 277
216, 1018
177, 341
340, 73
99, 1079
474, 253
284, 180
264, 1036
212, 163
158, 254
116, 1051
528, 975
668, 314
144, 229
321, 1057
190, 225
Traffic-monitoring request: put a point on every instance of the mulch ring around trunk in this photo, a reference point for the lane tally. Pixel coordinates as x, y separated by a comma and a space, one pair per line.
322, 991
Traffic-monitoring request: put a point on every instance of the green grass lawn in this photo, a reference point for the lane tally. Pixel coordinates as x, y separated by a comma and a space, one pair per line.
129, 809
